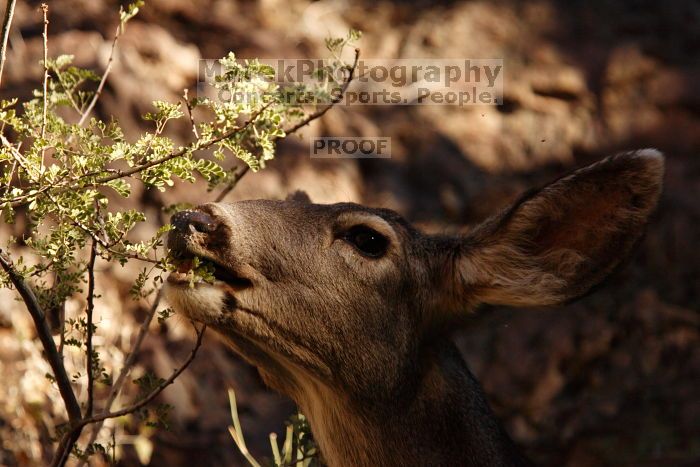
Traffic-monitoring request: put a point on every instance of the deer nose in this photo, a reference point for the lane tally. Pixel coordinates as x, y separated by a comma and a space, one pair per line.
187, 222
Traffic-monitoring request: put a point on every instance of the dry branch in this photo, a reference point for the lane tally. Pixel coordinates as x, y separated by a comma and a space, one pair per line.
45, 81
90, 310
103, 80
6, 23
44, 333
126, 369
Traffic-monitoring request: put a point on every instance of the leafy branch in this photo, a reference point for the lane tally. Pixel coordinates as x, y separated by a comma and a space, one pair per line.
58, 164
148, 398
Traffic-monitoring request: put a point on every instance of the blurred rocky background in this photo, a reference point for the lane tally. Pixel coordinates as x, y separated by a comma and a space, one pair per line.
613, 379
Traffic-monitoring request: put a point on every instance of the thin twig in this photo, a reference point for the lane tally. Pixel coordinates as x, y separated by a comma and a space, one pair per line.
146, 400
11, 176
70, 437
65, 446
189, 113
69, 94
107, 247
131, 358
318, 114
45, 12
153, 394
61, 319
103, 243
17, 156
135, 256
196, 146
232, 184
77, 223
90, 309
103, 80
335, 100
6, 23
126, 369
42, 329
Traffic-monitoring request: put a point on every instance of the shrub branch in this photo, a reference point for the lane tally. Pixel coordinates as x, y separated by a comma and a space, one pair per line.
118, 174
320, 113
44, 333
6, 23
71, 436
88, 339
293, 129
126, 369
45, 36
103, 80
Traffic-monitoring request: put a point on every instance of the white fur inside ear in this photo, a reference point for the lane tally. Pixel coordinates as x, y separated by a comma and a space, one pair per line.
649, 153
203, 303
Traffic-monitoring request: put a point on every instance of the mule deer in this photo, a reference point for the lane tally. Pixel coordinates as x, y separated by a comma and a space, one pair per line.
348, 309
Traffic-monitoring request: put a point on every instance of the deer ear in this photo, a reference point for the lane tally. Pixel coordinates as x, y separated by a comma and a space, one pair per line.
298, 195
555, 243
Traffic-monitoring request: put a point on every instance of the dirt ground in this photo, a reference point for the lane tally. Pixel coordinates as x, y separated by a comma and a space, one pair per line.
613, 379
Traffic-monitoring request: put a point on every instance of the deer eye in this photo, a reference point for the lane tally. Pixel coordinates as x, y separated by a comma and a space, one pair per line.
367, 241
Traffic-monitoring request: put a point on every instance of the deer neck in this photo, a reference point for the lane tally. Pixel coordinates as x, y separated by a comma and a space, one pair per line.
440, 417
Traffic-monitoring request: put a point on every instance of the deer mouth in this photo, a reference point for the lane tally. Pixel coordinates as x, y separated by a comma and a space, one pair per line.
192, 270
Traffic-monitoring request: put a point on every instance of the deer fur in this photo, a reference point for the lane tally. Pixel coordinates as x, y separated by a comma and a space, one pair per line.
361, 343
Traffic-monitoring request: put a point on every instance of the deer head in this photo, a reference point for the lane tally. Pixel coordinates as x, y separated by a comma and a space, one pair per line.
348, 309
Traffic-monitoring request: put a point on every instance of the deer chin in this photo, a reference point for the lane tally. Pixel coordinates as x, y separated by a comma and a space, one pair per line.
207, 302
258, 339
201, 302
